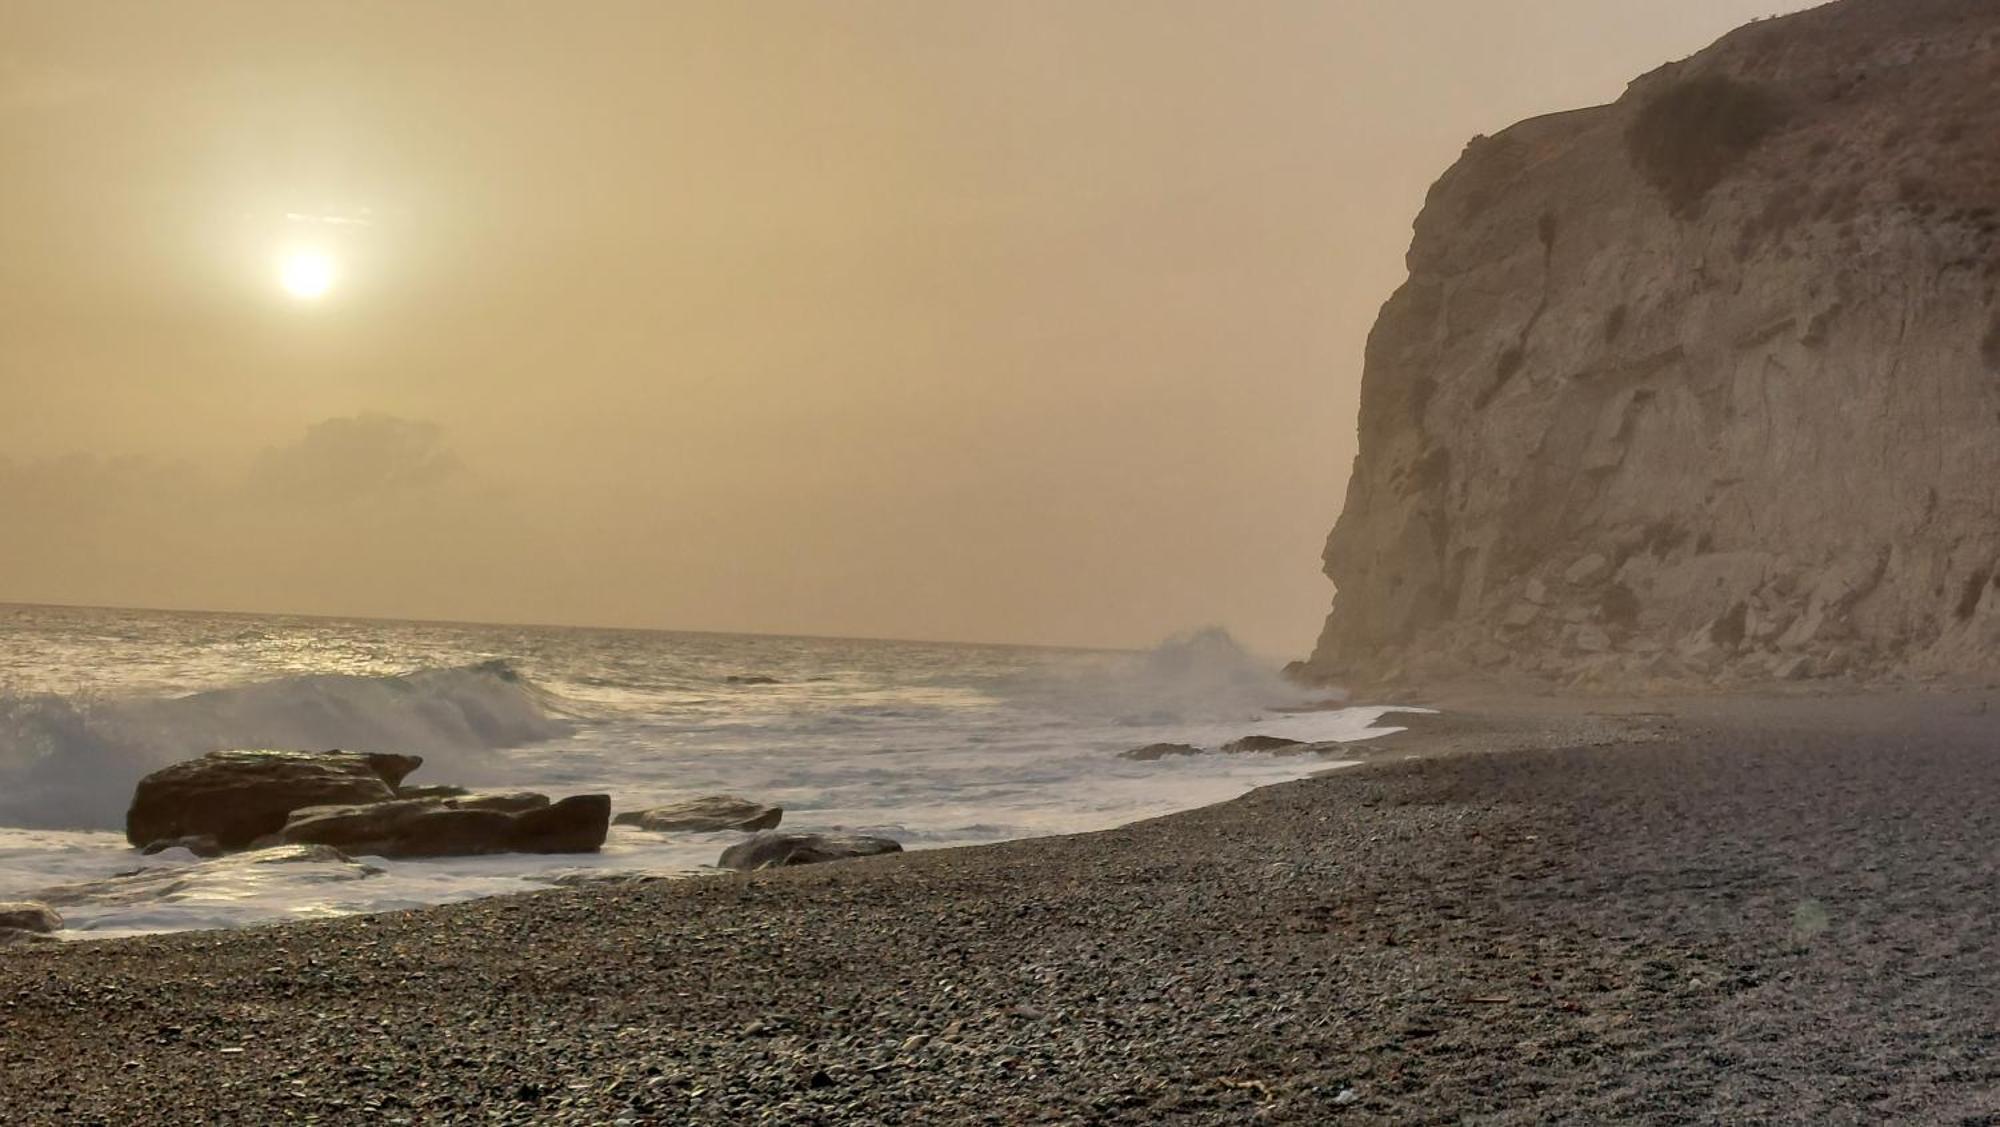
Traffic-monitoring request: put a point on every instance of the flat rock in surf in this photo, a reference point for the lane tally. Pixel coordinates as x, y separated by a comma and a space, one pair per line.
1267, 745
776, 850
237, 797
1151, 752
460, 826
706, 814
749, 679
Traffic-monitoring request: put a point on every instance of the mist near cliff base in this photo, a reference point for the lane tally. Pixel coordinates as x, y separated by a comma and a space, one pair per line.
1200, 678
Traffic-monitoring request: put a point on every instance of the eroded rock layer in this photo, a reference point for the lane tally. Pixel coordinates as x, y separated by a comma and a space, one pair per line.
1703, 384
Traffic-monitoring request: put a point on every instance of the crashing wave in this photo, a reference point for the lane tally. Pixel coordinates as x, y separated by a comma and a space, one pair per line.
72, 763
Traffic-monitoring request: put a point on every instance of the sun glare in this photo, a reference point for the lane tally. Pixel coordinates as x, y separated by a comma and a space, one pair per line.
306, 272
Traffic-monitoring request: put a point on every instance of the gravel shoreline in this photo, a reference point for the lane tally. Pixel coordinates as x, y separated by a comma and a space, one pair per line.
1714, 911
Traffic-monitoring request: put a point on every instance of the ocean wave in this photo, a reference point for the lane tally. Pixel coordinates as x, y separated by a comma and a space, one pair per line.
72, 763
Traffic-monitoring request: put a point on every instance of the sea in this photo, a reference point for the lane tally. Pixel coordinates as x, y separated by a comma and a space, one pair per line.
932, 744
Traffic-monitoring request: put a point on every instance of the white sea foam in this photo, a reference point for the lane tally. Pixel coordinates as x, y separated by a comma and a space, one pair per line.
931, 745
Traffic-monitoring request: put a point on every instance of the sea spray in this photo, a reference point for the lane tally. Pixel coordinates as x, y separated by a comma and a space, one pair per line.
927, 743
72, 763
1199, 677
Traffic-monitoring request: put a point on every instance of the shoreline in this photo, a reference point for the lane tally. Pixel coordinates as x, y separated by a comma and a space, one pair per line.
1771, 907
93, 890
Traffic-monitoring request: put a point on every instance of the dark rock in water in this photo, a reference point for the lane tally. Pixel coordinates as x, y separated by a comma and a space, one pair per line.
1266, 745
1158, 751
372, 827
201, 846
237, 797
221, 876
749, 679
703, 815
577, 824
29, 916
465, 825
437, 790
774, 850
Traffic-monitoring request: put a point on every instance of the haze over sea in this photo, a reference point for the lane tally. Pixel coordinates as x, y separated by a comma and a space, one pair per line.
931, 744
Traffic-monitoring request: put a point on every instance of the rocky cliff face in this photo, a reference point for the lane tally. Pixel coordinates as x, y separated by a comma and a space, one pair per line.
1701, 385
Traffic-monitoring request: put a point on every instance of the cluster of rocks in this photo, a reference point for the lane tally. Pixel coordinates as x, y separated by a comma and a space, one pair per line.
244, 810
1248, 745
765, 849
230, 801
273, 804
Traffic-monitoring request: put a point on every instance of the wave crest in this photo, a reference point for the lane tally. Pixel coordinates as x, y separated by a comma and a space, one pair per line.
68, 763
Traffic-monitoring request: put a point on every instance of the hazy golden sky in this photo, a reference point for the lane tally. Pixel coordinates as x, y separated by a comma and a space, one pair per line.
1015, 321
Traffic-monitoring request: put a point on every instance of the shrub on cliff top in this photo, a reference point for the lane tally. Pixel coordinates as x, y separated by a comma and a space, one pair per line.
1691, 136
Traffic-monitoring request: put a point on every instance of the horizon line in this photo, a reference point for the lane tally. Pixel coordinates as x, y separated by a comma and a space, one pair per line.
423, 621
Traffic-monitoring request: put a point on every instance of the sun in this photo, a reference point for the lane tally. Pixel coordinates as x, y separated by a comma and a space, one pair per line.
307, 273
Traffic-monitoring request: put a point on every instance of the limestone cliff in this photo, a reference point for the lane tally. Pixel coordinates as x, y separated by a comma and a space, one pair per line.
1703, 384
